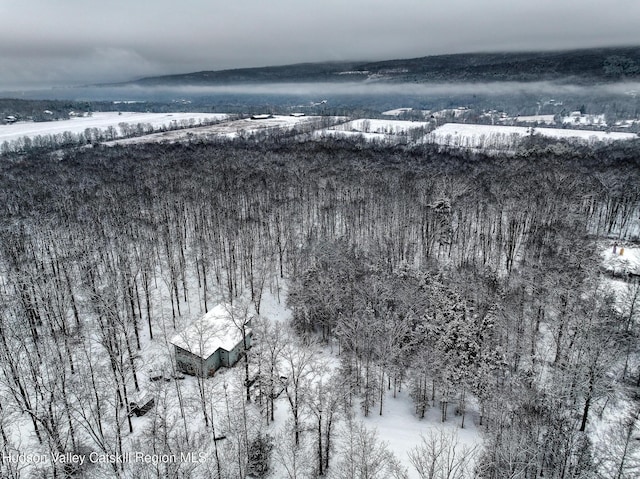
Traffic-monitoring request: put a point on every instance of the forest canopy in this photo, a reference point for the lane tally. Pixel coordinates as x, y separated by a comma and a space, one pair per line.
439, 270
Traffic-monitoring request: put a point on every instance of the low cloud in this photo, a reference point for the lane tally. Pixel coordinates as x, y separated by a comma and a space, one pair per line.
76, 41
380, 88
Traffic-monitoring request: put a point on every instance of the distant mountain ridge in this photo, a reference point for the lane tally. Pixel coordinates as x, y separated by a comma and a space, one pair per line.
596, 65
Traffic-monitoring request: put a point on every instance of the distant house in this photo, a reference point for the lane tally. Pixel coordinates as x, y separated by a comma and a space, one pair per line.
261, 117
215, 340
10, 119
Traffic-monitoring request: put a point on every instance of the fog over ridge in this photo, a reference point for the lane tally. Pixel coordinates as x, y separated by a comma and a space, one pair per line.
384, 88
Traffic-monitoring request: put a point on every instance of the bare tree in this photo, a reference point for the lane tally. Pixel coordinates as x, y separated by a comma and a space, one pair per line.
364, 456
441, 456
297, 369
619, 449
295, 459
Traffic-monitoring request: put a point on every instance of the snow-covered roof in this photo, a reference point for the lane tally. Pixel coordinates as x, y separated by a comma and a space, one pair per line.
214, 330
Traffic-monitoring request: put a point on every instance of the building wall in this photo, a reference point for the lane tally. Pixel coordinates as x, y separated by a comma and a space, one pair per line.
224, 357
229, 358
213, 362
234, 354
189, 363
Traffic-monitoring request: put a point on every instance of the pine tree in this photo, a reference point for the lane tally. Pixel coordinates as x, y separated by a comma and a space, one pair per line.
259, 456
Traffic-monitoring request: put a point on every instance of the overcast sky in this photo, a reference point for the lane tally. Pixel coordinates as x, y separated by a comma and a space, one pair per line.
51, 42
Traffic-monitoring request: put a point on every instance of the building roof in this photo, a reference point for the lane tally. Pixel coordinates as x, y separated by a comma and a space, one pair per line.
212, 331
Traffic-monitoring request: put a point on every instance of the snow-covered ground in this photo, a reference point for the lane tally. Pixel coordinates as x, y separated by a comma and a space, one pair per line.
102, 121
621, 259
608, 428
468, 135
402, 430
398, 427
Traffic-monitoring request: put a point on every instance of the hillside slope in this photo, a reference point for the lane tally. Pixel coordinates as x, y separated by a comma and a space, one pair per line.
582, 66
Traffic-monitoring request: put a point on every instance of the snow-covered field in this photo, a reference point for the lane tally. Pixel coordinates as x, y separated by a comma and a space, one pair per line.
102, 121
373, 130
115, 125
230, 129
577, 118
546, 119
468, 135
397, 111
388, 127
626, 123
451, 112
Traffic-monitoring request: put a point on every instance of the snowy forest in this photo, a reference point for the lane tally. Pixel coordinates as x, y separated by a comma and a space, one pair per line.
473, 284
